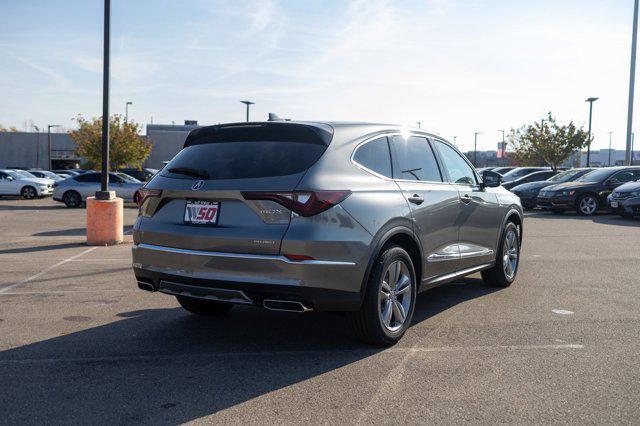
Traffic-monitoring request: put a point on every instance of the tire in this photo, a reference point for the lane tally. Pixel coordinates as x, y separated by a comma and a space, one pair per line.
390, 292
505, 270
72, 199
587, 205
556, 211
203, 307
28, 193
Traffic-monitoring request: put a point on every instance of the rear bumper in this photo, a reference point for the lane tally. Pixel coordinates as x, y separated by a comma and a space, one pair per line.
528, 201
322, 285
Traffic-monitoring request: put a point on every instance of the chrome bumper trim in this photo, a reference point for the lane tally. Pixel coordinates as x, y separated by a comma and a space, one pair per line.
242, 256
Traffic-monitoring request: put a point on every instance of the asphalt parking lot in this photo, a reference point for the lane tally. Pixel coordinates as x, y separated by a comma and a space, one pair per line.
79, 343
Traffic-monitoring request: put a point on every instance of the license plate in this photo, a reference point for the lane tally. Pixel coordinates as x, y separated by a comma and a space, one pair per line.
614, 204
198, 212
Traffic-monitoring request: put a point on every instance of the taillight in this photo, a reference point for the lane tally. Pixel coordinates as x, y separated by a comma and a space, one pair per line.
304, 203
144, 193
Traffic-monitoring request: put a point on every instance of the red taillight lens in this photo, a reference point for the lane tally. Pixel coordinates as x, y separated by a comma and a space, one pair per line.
304, 203
144, 193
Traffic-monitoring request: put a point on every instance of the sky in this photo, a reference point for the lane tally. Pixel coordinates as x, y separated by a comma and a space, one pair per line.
456, 66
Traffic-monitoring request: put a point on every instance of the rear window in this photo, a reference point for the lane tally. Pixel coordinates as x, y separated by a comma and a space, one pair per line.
243, 160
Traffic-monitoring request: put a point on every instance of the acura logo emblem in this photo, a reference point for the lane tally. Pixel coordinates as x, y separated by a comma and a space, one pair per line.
197, 185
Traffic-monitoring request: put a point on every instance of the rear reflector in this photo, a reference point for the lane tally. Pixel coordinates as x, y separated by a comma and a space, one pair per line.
144, 193
304, 203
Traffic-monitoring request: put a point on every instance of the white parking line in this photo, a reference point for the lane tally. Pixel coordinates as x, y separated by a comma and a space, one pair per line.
39, 274
170, 357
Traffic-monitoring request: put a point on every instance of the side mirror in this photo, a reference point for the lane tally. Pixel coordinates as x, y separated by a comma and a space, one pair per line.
9, 178
491, 179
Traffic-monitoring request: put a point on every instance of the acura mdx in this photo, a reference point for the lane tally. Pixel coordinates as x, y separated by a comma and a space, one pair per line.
301, 216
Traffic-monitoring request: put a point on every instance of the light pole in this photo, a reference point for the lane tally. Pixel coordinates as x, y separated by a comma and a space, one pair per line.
610, 133
37, 146
104, 194
49, 126
248, 103
475, 148
632, 78
503, 147
454, 140
591, 101
126, 111
419, 123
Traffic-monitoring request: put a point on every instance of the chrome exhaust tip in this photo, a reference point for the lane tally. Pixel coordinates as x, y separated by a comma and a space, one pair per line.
143, 285
285, 305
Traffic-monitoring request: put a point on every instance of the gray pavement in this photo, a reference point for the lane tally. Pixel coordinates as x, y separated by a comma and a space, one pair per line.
80, 344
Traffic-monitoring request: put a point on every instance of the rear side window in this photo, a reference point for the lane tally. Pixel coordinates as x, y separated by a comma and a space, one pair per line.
414, 159
242, 160
374, 156
88, 177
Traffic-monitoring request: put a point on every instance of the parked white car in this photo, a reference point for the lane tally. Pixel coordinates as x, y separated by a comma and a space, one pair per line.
14, 182
75, 190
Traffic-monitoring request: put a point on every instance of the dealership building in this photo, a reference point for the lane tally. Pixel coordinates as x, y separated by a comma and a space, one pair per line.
34, 149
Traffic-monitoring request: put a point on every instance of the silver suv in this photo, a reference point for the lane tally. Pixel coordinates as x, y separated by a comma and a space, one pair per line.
301, 216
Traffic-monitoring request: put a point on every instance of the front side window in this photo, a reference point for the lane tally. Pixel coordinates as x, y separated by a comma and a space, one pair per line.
460, 172
414, 159
374, 156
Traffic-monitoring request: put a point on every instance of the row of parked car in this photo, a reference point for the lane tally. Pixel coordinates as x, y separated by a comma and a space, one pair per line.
585, 190
73, 186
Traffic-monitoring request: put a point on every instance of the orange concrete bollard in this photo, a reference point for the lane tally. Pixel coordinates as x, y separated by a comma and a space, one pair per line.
104, 221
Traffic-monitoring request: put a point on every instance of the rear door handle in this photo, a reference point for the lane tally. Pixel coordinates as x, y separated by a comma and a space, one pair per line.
466, 199
416, 199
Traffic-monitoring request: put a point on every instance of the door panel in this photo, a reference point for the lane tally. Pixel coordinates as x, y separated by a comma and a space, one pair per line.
434, 204
478, 220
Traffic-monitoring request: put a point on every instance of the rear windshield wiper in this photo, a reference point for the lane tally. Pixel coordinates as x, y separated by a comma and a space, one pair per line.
199, 173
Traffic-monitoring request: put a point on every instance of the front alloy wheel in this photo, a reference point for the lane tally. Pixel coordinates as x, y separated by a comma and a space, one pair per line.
510, 253
29, 193
587, 205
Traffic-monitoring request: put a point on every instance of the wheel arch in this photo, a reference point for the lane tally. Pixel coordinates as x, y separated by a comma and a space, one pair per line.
403, 236
513, 215
29, 185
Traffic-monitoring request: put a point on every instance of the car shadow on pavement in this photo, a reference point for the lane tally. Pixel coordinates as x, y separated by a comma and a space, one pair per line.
33, 207
600, 217
167, 366
73, 232
48, 247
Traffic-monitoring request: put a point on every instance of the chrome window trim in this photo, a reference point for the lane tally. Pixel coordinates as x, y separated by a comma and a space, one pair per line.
277, 258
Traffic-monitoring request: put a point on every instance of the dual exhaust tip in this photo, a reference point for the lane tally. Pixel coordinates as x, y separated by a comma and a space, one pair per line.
270, 304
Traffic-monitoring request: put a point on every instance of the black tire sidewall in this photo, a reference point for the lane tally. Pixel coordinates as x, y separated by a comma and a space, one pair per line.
510, 225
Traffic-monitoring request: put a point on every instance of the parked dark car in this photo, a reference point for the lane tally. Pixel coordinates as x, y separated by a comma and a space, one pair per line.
142, 175
503, 170
519, 172
625, 199
531, 177
528, 192
587, 194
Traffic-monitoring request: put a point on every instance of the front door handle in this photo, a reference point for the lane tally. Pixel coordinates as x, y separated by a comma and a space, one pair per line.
416, 199
466, 199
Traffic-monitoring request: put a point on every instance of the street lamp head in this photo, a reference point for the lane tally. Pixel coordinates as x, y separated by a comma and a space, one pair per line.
129, 103
247, 102
592, 99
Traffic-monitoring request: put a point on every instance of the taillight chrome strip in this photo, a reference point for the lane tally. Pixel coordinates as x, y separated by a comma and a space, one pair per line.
242, 256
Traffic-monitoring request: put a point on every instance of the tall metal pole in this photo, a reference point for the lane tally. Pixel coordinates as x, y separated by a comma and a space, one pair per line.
455, 138
247, 103
591, 101
610, 133
632, 79
104, 185
37, 147
475, 149
126, 111
49, 126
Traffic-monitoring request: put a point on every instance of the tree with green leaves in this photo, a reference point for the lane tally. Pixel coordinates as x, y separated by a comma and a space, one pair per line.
546, 142
127, 148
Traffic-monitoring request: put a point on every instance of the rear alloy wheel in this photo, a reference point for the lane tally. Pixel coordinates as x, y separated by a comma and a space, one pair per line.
72, 199
504, 271
587, 205
203, 307
29, 193
387, 308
